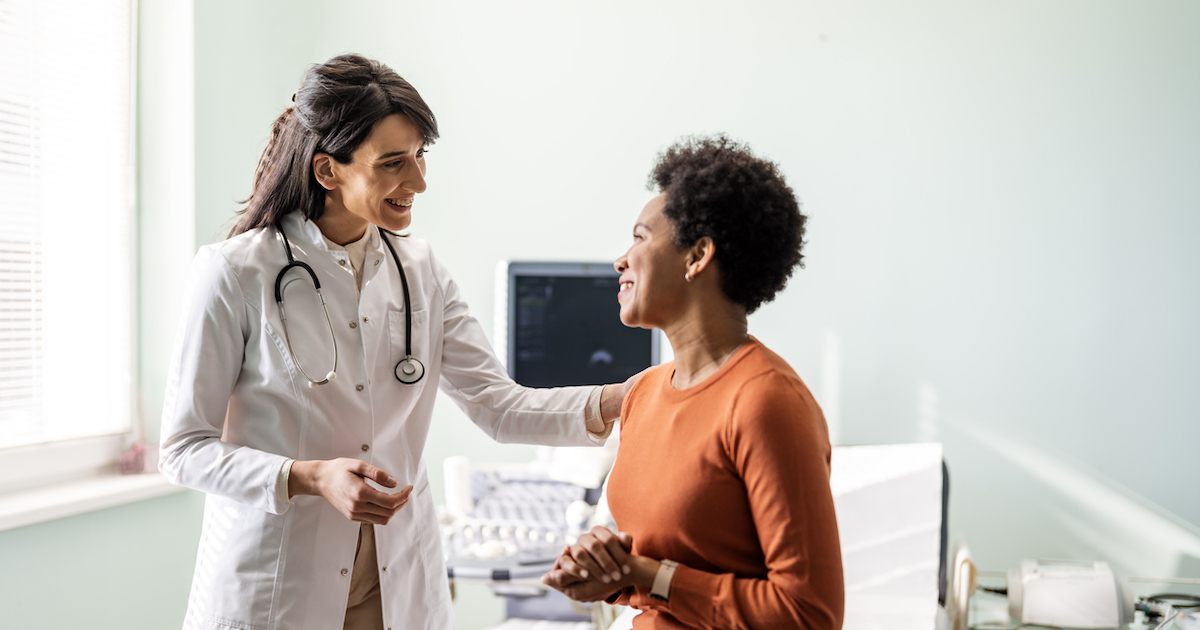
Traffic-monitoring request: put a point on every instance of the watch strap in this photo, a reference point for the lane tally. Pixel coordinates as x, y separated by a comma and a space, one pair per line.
661, 589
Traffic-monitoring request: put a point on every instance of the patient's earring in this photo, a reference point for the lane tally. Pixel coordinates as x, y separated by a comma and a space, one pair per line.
687, 276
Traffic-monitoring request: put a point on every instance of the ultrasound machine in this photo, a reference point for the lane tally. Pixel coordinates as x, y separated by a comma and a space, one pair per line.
557, 324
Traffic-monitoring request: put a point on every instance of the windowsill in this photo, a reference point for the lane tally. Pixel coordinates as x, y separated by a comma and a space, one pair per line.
29, 507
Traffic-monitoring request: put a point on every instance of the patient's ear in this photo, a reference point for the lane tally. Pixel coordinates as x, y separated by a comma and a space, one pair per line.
700, 256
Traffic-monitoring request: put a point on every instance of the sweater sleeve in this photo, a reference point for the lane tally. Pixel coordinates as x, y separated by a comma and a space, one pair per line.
778, 442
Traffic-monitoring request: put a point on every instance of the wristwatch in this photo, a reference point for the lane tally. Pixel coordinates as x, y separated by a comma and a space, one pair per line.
661, 589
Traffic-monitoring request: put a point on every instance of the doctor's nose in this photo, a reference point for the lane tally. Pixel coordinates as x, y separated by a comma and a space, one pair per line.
414, 179
620, 264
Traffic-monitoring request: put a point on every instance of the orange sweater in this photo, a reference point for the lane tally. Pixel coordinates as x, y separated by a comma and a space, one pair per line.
730, 478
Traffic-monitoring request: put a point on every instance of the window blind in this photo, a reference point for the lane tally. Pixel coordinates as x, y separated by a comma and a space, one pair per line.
66, 219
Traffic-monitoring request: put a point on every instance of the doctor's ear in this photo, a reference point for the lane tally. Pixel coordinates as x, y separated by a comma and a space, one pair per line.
323, 171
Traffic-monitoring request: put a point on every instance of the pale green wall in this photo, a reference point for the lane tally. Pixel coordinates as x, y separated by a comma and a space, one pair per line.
124, 568
130, 567
1003, 200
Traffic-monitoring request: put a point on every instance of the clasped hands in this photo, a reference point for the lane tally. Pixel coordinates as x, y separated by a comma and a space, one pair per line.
598, 565
343, 482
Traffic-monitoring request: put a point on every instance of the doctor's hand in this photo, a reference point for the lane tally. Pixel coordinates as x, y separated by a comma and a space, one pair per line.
343, 482
613, 396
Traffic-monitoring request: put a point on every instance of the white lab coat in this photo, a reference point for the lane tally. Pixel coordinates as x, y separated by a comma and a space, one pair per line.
237, 407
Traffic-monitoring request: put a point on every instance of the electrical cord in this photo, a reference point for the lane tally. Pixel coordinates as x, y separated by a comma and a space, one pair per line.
1177, 600
1164, 608
1167, 620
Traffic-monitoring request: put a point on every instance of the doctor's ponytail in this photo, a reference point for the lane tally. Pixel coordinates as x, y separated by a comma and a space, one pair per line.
337, 105
269, 162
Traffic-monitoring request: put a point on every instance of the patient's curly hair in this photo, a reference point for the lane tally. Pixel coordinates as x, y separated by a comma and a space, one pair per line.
716, 187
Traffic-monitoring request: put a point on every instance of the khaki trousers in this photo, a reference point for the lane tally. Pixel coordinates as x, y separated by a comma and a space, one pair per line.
364, 609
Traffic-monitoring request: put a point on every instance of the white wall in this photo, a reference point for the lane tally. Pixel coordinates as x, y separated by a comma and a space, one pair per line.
1003, 197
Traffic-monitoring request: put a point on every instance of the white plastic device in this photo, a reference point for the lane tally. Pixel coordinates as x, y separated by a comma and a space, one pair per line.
962, 586
1067, 595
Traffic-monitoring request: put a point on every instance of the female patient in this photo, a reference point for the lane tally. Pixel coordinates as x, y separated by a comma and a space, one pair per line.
721, 484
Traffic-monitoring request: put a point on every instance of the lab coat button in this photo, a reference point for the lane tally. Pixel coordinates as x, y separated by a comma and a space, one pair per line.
365, 320
353, 324
342, 262
365, 449
385, 569
345, 571
359, 387
377, 264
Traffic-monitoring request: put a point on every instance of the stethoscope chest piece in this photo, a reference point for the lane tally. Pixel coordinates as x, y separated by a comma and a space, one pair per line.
409, 371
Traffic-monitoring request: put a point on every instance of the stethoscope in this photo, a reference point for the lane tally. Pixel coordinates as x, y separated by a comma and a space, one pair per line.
408, 370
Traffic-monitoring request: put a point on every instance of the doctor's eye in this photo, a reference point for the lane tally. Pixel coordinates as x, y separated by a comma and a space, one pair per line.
421, 152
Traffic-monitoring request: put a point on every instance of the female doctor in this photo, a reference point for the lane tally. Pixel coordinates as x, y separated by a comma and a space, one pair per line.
303, 378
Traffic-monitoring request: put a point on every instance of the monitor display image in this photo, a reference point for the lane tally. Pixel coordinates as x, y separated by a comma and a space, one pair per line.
564, 327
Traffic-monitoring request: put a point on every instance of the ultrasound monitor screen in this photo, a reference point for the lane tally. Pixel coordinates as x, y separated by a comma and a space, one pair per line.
565, 329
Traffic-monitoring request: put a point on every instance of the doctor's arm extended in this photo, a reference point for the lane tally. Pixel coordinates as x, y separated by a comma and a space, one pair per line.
206, 363
510, 413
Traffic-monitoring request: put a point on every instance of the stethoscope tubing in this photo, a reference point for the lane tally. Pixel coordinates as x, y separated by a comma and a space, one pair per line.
408, 370
407, 301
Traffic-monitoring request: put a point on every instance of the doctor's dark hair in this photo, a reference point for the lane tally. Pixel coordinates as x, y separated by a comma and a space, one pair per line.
716, 187
337, 105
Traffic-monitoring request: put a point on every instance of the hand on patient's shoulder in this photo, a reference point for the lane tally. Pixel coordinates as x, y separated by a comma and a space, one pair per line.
631, 381
612, 397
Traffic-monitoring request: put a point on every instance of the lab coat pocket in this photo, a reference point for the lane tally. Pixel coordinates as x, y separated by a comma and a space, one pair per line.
420, 342
437, 582
413, 579
237, 564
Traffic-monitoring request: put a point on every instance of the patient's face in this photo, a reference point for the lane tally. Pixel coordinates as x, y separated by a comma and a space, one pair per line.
652, 283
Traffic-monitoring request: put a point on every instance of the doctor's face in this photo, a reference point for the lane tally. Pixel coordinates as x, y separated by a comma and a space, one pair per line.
652, 284
381, 182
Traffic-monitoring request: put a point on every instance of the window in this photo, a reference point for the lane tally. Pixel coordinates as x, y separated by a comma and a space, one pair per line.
67, 246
